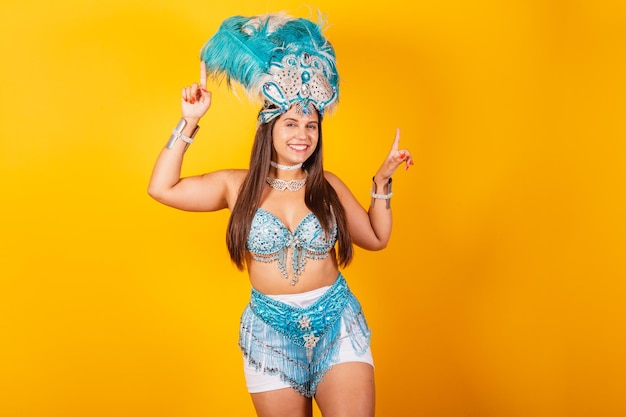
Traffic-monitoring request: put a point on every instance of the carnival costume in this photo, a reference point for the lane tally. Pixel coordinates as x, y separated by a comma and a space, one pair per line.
285, 62
279, 60
269, 241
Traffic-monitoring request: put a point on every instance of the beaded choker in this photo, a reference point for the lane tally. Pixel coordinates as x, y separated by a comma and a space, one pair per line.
285, 167
291, 185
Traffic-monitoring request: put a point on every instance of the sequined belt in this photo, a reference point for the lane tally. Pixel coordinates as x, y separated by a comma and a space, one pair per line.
303, 326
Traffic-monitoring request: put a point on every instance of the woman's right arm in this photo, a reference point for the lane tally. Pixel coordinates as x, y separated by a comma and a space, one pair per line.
207, 192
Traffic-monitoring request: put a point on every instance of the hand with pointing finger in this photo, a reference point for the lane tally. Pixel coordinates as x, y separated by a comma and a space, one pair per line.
196, 100
395, 158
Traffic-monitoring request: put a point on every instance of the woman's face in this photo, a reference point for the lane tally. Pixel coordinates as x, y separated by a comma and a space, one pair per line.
294, 137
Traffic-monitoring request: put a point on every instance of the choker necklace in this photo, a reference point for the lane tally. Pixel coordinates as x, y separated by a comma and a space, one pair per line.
291, 185
285, 167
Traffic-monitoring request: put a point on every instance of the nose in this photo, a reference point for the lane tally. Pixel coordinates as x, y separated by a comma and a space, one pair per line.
301, 132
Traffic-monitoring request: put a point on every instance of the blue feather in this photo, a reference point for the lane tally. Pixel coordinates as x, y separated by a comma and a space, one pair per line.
245, 49
237, 55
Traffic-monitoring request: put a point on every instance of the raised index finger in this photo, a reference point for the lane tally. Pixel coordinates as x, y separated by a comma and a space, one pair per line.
202, 75
396, 141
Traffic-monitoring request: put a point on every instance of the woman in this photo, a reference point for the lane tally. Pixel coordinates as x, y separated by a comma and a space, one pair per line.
292, 224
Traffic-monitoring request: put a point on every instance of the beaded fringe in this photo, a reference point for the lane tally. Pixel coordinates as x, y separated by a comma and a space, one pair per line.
271, 352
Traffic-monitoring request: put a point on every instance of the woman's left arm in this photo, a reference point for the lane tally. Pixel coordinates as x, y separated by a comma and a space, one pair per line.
371, 229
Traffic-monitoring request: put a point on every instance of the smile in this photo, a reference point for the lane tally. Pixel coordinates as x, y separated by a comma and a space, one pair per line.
299, 147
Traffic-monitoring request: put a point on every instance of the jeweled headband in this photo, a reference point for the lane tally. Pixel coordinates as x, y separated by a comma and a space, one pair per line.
281, 60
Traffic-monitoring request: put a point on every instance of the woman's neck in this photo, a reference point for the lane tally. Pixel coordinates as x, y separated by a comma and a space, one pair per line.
286, 172
286, 175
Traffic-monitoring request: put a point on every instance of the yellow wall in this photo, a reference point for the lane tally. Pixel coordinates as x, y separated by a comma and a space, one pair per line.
502, 293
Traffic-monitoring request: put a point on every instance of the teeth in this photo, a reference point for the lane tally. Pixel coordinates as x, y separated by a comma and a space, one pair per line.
298, 147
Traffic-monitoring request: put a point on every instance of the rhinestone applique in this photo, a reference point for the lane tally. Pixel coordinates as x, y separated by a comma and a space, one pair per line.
309, 343
291, 185
305, 322
269, 240
299, 80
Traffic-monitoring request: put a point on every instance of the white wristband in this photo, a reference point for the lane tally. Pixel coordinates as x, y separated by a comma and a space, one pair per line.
176, 134
381, 196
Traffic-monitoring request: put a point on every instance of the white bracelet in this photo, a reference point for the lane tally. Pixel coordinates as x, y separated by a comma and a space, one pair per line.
381, 196
176, 134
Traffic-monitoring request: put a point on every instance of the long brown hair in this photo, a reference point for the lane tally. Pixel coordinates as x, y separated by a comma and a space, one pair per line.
319, 197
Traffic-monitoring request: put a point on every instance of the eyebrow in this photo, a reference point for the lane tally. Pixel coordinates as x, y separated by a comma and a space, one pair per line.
297, 120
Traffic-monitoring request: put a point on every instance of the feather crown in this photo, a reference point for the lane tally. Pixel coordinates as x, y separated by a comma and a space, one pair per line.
279, 59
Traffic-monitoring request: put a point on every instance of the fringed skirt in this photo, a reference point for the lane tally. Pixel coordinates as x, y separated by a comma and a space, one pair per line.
301, 344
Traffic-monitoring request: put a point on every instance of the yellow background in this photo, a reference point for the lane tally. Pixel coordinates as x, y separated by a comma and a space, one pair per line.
501, 294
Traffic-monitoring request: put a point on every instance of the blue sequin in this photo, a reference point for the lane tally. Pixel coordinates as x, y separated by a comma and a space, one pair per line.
302, 344
270, 240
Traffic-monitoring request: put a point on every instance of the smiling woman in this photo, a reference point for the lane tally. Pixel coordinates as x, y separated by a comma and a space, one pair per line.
292, 224
502, 284
295, 137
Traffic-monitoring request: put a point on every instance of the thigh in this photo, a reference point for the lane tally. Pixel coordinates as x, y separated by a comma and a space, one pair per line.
284, 402
258, 381
347, 390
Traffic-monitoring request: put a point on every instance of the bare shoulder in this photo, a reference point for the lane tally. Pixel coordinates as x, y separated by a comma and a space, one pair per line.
348, 200
333, 179
335, 182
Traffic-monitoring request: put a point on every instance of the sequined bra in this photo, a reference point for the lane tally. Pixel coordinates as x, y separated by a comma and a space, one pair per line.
269, 241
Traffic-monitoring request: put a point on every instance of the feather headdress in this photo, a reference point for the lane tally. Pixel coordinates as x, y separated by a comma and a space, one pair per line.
281, 60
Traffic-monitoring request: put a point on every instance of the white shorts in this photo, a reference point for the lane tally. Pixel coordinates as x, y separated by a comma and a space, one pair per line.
257, 381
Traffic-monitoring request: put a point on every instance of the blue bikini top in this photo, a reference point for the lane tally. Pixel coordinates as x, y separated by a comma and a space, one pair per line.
269, 240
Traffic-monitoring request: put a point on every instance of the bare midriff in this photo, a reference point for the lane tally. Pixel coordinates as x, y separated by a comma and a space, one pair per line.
267, 278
